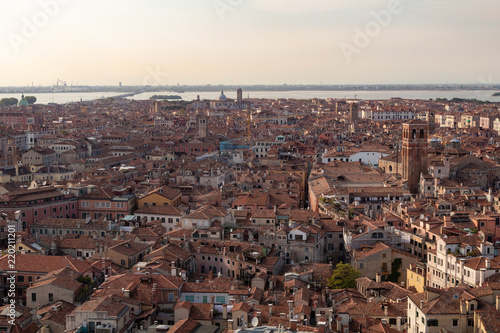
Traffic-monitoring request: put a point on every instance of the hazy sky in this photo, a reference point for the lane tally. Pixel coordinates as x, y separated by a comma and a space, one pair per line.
87, 42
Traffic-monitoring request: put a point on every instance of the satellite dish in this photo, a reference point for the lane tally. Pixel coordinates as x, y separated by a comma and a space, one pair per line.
255, 321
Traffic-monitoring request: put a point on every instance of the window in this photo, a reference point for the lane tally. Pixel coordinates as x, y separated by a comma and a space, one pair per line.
220, 299
432, 322
30, 278
51, 297
190, 298
470, 322
33, 297
170, 297
454, 322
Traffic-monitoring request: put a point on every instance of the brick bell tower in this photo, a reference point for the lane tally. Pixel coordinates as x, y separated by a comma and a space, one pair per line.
414, 152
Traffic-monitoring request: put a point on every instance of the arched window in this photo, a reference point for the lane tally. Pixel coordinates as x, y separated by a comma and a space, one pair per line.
390, 168
422, 133
203, 269
414, 133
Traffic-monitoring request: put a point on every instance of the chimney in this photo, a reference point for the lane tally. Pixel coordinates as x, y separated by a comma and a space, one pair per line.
487, 263
321, 327
421, 304
173, 269
481, 276
230, 324
259, 316
224, 311
497, 305
293, 325
398, 322
463, 307
386, 310
377, 277
270, 310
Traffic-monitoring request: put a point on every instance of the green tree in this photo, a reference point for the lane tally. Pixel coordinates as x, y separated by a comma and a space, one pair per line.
395, 273
343, 276
8, 101
31, 99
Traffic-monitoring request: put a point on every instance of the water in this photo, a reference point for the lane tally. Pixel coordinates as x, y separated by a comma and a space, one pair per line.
407, 94
61, 98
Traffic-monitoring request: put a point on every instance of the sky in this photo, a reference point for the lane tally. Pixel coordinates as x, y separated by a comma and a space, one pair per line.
167, 42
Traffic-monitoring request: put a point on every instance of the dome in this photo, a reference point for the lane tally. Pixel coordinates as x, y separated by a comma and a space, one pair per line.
222, 96
455, 141
23, 101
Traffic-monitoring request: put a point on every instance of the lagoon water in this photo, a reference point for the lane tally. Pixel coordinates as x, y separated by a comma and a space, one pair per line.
62, 98
409, 94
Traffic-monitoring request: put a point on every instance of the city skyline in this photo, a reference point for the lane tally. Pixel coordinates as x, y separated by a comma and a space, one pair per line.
248, 42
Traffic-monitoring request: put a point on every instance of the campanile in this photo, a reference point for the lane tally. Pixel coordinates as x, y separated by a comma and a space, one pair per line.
414, 152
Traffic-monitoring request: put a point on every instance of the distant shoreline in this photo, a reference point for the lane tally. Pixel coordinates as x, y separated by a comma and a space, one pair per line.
255, 88
165, 97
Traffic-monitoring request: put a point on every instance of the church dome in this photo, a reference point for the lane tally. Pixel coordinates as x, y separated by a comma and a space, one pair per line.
23, 101
222, 96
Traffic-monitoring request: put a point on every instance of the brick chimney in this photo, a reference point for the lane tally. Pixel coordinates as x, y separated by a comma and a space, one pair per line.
293, 325
173, 269
224, 311
321, 327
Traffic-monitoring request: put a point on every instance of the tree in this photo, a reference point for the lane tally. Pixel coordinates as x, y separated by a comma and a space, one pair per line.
31, 99
343, 276
395, 273
8, 101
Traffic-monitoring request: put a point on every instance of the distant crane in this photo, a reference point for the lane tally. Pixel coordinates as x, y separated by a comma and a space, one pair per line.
63, 83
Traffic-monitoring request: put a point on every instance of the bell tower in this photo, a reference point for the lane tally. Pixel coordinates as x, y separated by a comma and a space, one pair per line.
202, 126
414, 152
11, 152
